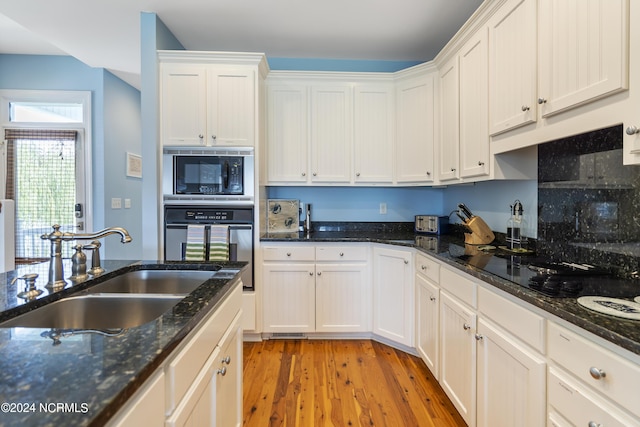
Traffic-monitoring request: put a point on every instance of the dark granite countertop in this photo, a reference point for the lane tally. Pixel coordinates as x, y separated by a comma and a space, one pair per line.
449, 250
91, 375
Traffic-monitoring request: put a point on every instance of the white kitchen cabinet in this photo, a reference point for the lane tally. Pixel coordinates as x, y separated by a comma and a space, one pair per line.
511, 380
427, 311
316, 289
583, 52
449, 143
513, 66
204, 103
287, 148
474, 117
458, 355
331, 133
289, 298
142, 407
415, 140
374, 120
393, 294
228, 377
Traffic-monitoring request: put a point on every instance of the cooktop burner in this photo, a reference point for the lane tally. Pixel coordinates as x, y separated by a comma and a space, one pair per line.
553, 279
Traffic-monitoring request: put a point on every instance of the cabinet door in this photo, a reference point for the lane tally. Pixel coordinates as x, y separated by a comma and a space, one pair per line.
474, 117
183, 104
458, 356
511, 381
373, 144
449, 121
512, 66
228, 392
231, 106
583, 52
415, 135
343, 298
289, 297
427, 322
287, 144
331, 127
393, 295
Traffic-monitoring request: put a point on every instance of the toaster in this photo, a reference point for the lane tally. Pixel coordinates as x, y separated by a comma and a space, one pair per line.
431, 224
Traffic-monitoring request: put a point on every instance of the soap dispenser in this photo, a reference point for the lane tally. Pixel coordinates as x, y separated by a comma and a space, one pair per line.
515, 224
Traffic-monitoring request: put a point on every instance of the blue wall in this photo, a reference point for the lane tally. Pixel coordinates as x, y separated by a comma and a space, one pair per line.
115, 128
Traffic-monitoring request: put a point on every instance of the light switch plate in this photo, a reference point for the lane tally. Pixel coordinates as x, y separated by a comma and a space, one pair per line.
116, 203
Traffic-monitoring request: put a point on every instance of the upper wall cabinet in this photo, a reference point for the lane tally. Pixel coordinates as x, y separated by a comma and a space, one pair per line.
449, 154
415, 121
373, 133
583, 52
512, 66
209, 98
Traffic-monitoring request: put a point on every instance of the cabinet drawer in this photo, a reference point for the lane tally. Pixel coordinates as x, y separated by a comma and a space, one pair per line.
462, 288
288, 253
182, 370
519, 321
341, 253
580, 407
428, 267
580, 356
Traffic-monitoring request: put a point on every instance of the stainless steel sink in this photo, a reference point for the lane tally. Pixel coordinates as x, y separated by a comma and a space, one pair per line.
96, 312
153, 282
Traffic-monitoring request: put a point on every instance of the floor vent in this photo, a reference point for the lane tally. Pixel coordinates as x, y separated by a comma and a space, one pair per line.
288, 335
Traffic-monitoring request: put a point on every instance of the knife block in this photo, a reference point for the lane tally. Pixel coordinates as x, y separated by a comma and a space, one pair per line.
480, 234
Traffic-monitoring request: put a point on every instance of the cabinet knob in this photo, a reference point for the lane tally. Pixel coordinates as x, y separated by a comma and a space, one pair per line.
226, 360
525, 108
432, 298
594, 424
406, 261
453, 169
424, 267
201, 136
222, 371
466, 326
480, 163
319, 273
542, 101
357, 173
311, 273
288, 253
214, 137
304, 174
632, 130
478, 337
341, 253
597, 374
315, 174
428, 173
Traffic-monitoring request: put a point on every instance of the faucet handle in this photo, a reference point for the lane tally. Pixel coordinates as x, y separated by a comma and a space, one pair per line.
94, 247
56, 234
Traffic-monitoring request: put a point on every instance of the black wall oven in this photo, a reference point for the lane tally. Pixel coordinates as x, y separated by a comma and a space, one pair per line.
205, 175
239, 219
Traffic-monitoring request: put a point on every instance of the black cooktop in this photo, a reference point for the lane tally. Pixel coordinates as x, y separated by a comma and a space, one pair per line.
553, 279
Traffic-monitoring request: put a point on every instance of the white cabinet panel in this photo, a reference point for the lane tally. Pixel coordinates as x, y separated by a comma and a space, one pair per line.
415, 130
289, 297
331, 139
511, 381
513, 66
583, 52
427, 322
449, 121
231, 106
374, 134
287, 148
343, 297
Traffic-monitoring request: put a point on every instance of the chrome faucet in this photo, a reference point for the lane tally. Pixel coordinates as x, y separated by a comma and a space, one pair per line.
56, 272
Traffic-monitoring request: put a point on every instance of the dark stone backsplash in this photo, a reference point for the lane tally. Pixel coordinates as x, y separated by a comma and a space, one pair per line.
588, 202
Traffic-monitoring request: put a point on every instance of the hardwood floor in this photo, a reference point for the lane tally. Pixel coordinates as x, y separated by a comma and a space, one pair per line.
340, 383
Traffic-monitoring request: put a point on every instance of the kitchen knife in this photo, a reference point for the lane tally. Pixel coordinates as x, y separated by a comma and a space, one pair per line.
464, 221
465, 210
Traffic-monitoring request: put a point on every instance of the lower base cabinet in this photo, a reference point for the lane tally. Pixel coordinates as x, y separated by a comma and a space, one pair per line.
511, 381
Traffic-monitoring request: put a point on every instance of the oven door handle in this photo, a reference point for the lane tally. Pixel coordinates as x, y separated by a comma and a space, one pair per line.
225, 175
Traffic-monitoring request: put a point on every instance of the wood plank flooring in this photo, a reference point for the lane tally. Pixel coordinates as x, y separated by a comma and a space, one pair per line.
340, 383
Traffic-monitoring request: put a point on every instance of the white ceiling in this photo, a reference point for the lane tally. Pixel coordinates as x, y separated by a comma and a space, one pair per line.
106, 33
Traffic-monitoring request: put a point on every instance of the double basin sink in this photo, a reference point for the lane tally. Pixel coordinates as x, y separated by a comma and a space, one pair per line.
128, 300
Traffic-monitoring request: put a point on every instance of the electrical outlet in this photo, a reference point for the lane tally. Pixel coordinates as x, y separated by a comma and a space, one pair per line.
383, 208
116, 203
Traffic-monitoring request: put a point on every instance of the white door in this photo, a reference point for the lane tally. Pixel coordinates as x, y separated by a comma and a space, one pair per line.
44, 158
449, 121
427, 322
289, 297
